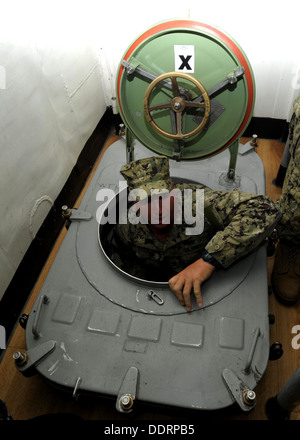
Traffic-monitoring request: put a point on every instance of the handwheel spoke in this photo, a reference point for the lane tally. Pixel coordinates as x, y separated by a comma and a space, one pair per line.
175, 86
160, 106
194, 104
179, 123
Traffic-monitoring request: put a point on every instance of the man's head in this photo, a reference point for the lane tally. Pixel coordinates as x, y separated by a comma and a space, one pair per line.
149, 181
152, 175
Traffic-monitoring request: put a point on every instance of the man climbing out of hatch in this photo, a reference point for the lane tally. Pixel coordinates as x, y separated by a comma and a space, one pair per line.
286, 272
235, 223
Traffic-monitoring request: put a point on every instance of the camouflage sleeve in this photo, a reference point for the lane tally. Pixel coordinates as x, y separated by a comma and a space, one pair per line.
245, 220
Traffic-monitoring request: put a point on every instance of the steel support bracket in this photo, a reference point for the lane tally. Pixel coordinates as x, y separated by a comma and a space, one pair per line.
127, 391
26, 363
240, 391
80, 215
75, 214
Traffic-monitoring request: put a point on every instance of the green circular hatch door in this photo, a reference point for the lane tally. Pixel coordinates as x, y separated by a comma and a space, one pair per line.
185, 89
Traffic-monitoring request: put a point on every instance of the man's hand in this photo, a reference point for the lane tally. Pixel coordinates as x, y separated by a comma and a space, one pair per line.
191, 278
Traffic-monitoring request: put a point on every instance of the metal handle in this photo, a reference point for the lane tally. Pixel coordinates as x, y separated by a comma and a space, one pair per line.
42, 300
252, 349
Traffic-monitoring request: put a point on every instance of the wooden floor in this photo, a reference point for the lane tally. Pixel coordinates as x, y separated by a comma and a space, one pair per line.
27, 398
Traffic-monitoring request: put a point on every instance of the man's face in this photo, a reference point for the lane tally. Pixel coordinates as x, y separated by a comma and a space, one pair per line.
158, 210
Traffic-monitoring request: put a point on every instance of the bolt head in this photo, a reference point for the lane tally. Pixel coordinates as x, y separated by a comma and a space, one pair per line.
126, 402
251, 395
17, 355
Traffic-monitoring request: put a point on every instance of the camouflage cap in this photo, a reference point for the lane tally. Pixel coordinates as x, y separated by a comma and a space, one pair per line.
151, 174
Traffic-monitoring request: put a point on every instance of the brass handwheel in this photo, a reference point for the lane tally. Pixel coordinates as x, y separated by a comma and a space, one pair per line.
178, 104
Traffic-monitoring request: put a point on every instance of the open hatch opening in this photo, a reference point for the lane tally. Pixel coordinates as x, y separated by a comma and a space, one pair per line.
124, 260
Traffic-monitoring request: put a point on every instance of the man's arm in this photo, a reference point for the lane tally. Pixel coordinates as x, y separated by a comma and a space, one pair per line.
245, 221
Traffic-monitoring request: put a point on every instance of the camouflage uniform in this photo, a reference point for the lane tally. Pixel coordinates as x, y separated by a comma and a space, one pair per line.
289, 202
285, 276
235, 224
